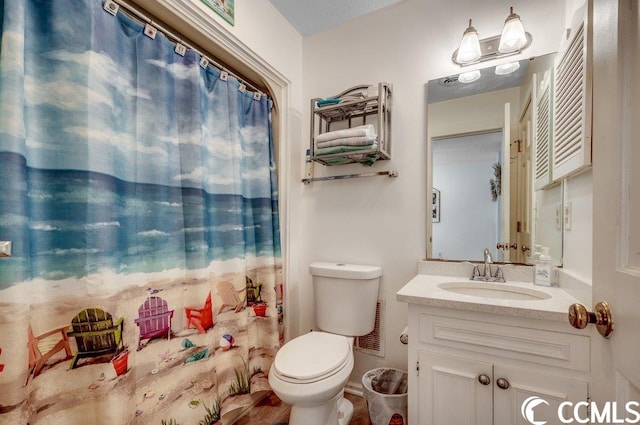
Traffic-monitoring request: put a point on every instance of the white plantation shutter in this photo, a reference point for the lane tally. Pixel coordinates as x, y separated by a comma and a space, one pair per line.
543, 132
572, 110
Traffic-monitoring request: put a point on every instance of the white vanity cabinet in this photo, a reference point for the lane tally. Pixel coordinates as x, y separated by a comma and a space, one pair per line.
477, 368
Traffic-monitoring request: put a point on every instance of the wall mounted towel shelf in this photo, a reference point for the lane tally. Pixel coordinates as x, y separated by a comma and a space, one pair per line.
390, 173
359, 105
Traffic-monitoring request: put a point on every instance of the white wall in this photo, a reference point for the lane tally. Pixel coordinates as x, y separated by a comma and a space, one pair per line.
379, 220
578, 239
476, 113
259, 25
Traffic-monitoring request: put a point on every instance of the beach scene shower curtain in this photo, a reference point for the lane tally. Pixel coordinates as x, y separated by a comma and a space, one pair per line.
138, 189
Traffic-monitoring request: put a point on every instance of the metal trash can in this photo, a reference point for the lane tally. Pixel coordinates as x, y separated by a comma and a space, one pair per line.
385, 390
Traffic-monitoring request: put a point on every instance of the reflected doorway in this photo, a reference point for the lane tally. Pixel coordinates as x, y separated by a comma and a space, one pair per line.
467, 183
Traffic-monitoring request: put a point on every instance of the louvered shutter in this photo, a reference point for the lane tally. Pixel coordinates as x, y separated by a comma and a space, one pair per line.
543, 134
572, 110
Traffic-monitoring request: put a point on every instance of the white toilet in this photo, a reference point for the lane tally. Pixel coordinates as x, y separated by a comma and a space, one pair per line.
310, 371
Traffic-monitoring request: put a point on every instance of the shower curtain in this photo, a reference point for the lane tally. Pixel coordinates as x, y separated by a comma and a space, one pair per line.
138, 187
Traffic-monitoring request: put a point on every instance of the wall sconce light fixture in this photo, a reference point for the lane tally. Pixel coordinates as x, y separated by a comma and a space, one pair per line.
469, 50
513, 40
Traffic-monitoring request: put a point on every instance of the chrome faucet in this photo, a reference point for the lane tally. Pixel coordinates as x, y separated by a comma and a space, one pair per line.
486, 275
488, 260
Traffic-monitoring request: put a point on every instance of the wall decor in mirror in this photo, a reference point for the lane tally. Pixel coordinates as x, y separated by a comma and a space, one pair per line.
482, 144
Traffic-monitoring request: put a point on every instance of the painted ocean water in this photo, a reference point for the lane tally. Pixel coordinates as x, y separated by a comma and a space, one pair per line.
84, 222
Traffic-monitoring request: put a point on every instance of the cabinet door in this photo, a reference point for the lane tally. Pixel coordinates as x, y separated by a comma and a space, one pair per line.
571, 149
543, 130
450, 392
524, 383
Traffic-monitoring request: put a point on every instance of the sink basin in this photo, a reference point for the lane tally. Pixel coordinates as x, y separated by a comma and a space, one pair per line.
502, 291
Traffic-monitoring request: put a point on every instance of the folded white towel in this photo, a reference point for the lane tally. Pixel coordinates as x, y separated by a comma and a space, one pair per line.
360, 131
347, 141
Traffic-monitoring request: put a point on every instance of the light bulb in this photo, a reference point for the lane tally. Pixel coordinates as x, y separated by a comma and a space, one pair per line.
469, 77
507, 68
513, 37
469, 50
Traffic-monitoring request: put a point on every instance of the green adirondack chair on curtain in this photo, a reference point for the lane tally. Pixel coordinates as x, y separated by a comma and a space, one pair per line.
95, 334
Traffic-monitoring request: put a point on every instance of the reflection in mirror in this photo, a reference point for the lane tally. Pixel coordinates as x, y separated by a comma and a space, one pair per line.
482, 137
470, 201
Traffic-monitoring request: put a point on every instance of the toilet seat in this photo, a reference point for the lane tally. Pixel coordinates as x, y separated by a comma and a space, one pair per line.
312, 357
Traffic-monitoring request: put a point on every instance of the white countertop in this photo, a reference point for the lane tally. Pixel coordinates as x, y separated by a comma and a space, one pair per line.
424, 290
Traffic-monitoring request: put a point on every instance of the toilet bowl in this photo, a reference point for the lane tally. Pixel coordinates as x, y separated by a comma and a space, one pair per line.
309, 373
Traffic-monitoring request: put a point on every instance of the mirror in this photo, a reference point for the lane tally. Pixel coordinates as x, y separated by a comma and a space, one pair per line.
482, 174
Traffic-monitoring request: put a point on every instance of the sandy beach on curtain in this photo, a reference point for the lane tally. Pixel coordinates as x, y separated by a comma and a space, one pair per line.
159, 384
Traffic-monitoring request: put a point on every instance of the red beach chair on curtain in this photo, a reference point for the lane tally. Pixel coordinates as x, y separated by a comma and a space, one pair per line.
200, 317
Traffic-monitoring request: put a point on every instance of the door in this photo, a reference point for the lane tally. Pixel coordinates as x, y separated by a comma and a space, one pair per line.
616, 192
451, 391
524, 205
505, 221
515, 385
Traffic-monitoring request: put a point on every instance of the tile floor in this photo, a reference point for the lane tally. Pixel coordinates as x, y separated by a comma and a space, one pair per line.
271, 411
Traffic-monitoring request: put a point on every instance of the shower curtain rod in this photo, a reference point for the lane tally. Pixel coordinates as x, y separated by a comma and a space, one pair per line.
142, 18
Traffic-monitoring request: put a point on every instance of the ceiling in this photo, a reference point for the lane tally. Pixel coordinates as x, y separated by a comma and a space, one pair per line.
313, 16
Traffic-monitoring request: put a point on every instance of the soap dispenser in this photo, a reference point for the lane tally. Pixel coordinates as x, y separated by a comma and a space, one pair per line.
535, 255
543, 269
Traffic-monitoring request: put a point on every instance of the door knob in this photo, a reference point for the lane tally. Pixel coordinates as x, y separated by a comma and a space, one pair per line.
579, 318
503, 384
484, 379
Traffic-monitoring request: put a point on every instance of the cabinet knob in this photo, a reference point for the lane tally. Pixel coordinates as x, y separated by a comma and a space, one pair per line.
503, 383
524, 248
484, 379
501, 245
513, 246
579, 318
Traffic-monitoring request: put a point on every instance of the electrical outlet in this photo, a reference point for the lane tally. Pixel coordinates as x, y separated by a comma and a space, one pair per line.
558, 217
567, 215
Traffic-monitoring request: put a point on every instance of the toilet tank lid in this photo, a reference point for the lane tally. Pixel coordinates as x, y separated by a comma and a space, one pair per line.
345, 271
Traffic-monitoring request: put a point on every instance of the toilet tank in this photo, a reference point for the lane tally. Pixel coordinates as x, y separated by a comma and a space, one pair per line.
345, 297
